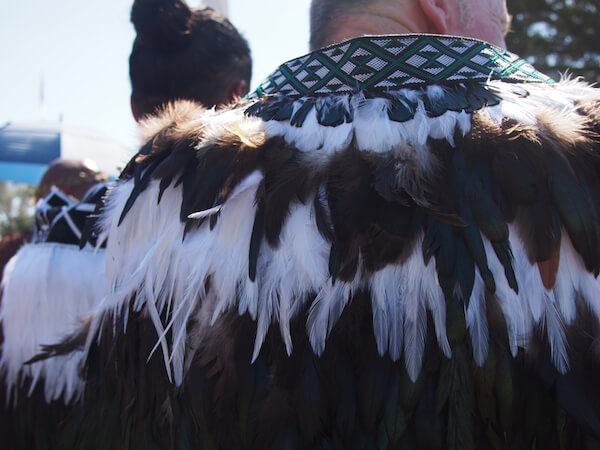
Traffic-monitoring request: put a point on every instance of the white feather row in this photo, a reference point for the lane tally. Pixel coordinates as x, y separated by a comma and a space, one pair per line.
48, 289
164, 272
372, 130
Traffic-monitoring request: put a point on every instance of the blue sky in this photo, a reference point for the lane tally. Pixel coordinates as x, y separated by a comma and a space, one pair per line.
80, 48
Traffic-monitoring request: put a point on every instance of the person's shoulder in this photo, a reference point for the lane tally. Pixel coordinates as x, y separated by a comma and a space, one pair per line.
184, 121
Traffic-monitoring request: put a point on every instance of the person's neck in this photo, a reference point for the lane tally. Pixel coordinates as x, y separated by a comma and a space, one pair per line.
381, 19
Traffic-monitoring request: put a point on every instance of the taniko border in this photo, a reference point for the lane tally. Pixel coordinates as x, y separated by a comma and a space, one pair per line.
393, 62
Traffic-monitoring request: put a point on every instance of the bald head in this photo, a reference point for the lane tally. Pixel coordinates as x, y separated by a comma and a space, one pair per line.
325, 16
335, 20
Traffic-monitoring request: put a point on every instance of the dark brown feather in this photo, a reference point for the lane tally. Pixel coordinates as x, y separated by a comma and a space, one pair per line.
549, 269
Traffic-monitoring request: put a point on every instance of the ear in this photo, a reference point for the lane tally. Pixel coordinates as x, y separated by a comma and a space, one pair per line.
237, 90
439, 14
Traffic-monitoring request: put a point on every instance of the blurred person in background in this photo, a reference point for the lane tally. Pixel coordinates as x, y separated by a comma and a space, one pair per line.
179, 53
185, 53
71, 176
67, 181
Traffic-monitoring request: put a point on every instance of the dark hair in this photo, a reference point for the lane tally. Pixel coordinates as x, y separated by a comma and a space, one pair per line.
183, 53
72, 176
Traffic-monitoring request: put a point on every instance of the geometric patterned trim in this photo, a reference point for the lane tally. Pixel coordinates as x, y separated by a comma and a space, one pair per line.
61, 218
381, 63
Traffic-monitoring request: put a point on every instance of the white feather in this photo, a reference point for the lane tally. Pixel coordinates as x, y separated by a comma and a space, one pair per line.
373, 130
388, 313
564, 289
477, 323
556, 335
325, 311
415, 317
516, 308
524, 102
399, 295
533, 306
371, 127
415, 332
531, 288
47, 290
574, 283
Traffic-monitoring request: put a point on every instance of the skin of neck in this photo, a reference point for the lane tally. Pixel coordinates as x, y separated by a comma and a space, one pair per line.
489, 23
381, 18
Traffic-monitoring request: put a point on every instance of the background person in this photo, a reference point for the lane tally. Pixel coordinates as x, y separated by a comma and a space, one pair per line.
185, 53
178, 53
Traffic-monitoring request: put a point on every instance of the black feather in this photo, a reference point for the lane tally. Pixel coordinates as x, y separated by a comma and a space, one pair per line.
456, 99
461, 404
309, 399
478, 96
285, 110
164, 184
394, 419
323, 220
139, 187
372, 391
401, 109
410, 392
429, 429
484, 379
505, 390
505, 256
540, 229
256, 240
334, 260
332, 114
271, 107
286, 181
464, 182
299, 116
435, 106
575, 209
254, 109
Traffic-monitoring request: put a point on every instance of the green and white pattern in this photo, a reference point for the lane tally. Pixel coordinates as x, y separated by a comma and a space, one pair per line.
394, 62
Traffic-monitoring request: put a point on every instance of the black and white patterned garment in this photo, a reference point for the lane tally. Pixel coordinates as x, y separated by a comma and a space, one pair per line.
393, 243
61, 218
48, 288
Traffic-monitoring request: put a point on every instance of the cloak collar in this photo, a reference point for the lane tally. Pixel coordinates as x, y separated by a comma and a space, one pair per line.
381, 63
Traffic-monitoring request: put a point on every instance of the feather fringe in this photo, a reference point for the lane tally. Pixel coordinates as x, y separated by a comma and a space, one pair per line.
206, 273
42, 303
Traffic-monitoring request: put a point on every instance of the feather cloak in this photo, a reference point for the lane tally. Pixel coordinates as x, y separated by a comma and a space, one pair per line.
416, 269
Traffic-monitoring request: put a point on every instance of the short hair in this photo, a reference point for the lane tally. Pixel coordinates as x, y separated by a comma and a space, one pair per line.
183, 53
323, 14
73, 177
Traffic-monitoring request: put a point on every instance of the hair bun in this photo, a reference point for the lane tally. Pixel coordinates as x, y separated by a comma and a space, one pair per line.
163, 24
